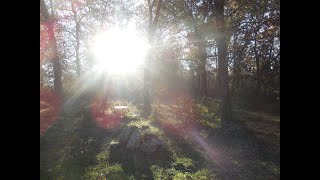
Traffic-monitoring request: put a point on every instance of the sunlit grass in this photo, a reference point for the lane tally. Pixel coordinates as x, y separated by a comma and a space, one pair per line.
105, 171
201, 174
151, 127
187, 160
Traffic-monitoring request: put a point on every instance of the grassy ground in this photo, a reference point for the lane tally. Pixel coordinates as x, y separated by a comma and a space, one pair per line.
248, 150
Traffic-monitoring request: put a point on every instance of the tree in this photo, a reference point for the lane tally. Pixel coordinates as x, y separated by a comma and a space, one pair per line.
153, 21
49, 21
77, 29
223, 77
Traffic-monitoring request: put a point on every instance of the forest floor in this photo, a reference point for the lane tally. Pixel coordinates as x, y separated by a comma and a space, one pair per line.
250, 149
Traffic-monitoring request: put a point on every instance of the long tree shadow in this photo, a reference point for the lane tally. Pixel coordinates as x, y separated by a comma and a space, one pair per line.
247, 147
189, 150
189, 143
67, 152
138, 163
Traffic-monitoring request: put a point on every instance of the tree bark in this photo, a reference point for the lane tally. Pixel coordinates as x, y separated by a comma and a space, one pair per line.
203, 71
49, 20
41, 75
77, 50
235, 80
147, 73
223, 78
75, 15
257, 60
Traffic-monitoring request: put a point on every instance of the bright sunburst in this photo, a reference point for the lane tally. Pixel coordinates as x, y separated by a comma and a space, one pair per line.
119, 50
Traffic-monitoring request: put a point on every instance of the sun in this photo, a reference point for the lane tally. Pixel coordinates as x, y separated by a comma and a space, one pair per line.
119, 50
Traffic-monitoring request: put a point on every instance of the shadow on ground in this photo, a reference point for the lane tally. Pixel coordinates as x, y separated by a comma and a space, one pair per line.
69, 146
253, 146
138, 164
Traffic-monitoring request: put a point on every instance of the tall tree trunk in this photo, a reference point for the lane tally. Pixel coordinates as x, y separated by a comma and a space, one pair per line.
147, 73
75, 15
202, 55
198, 83
257, 59
56, 63
77, 50
258, 74
41, 75
203, 71
49, 20
222, 64
235, 79
147, 86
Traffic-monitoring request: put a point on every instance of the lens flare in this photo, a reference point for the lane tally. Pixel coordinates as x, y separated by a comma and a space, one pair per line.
119, 50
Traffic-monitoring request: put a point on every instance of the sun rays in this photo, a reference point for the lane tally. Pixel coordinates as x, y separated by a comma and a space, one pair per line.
119, 50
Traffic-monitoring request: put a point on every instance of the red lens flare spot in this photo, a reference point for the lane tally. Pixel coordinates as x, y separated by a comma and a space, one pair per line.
49, 108
104, 115
48, 30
